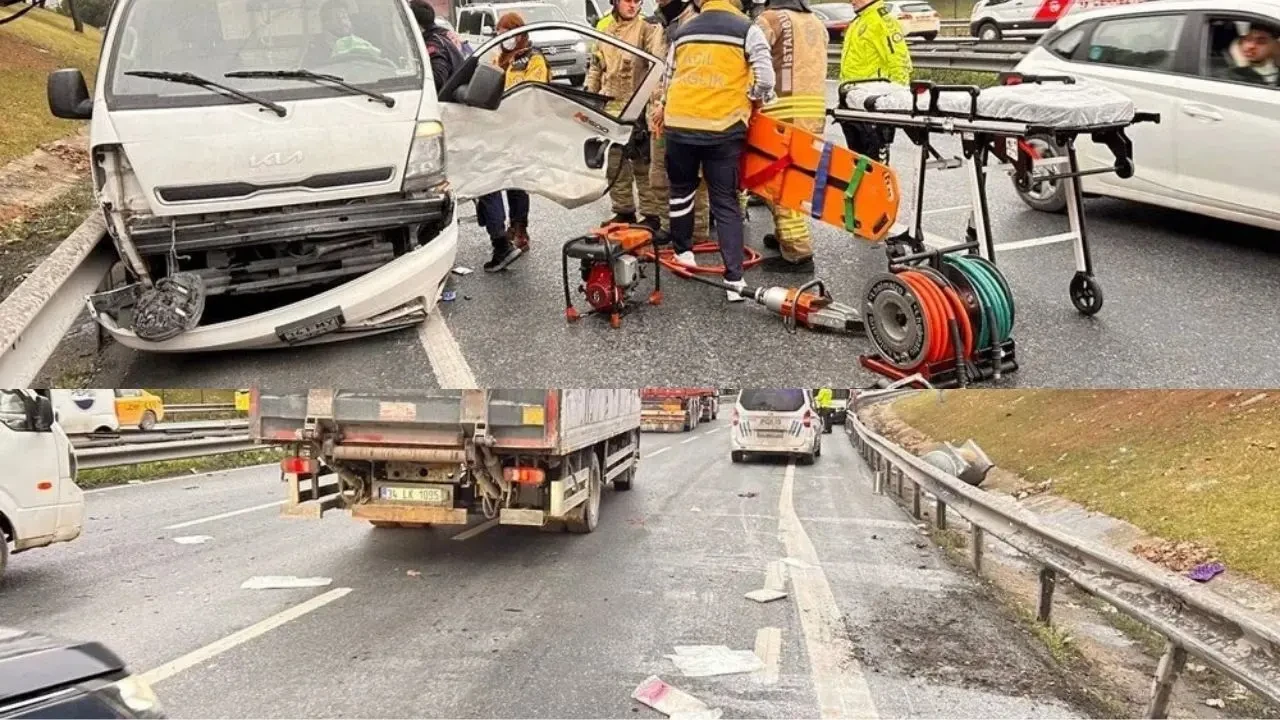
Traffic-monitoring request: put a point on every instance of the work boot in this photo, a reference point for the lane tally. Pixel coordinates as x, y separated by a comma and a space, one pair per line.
504, 253
687, 258
627, 218
780, 264
518, 234
735, 296
653, 223
771, 242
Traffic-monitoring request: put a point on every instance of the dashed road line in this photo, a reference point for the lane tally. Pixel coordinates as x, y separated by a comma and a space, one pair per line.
837, 677
769, 650
224, 516
444, 354
659, 451
212, 650
686, 441
483, 527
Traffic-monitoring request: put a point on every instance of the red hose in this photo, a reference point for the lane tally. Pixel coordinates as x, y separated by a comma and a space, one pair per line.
751, 258
937, 311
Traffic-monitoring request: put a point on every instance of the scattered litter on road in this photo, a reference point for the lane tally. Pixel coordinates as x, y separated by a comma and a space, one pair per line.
695, 508
765, 595
283, 582
1215, 703
1207, 571
747, 494
413, 573
709, 660
449, 295
460, 270
193, 539
673, 702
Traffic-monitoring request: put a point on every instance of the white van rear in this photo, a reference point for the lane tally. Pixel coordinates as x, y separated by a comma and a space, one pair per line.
40, 503
776, 422
81, 412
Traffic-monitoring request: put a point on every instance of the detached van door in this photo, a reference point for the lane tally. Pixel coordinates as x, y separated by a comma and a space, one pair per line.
30, 485
551, 140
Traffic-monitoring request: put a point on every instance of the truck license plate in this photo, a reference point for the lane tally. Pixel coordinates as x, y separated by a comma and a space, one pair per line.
431, 496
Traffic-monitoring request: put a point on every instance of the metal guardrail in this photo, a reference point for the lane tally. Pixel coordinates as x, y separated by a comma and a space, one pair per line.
1194, 620
949, 56
198, 407
133, 453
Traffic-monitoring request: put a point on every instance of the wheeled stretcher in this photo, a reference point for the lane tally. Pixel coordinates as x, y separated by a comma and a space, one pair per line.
1028, 122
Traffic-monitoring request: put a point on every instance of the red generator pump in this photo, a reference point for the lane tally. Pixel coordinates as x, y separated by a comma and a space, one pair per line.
609, 258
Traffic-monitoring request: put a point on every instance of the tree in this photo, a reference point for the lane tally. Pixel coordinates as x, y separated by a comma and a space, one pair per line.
75, 16
86, 12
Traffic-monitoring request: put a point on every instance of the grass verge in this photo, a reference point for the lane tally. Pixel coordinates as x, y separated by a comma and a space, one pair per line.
25, 243
31, 47
103, 477
1187, 466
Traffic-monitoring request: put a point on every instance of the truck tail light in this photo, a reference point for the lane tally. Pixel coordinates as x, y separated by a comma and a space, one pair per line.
524, 475
297, 465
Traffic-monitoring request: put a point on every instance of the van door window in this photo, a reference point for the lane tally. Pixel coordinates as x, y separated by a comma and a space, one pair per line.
13, 411
1147, 42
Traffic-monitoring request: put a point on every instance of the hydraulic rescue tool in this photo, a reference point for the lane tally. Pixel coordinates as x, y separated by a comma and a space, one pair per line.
809, 305
610, 261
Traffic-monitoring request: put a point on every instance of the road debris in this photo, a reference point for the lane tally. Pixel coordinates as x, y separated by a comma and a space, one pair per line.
193, 539
283, 582
413, 573
710, 660
1215, 703
460, 270
449, 295
1206, 571
748, 494
673, 702
765, 595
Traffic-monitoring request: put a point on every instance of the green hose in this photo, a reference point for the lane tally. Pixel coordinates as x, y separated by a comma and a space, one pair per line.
992, 294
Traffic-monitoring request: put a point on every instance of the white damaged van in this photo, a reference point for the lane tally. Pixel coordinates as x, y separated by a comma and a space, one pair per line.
281, 172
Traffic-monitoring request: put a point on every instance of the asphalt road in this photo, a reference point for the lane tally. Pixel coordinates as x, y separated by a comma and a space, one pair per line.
516, 623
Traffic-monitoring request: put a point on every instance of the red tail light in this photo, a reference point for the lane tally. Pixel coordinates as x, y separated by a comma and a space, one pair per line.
296, 465
524, 475
808, 418
735, 416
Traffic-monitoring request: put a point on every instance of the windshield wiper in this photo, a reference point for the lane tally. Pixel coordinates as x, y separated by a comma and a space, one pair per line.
187, 78
302, 74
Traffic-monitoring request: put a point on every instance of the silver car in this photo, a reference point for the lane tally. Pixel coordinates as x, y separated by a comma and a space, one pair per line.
566, 52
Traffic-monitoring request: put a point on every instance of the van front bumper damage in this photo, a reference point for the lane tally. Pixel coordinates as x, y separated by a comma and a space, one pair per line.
396, 295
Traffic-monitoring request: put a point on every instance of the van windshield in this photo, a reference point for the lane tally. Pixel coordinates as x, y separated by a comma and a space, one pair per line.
369, 43
771, 400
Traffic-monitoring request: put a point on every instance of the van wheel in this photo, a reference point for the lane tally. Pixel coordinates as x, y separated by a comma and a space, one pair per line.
1045, 196
738, 456
806, 459
584, 518
930, 36
622, 482
990, 32
148, 421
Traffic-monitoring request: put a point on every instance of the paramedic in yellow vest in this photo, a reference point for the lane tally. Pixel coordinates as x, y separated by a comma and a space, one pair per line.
798, 40
823, 398
874, 49
670, 16
617, 74
718, 70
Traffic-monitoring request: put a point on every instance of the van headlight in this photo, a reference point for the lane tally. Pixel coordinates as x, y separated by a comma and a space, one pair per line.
580, 47
426, 166
136, 695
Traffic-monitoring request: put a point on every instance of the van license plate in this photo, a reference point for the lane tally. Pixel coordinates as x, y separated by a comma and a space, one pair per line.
430, 496
770, 422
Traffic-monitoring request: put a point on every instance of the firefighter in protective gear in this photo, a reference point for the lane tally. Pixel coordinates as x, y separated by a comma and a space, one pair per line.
874, 49
797, 40
718, 70
617, 74
671, 15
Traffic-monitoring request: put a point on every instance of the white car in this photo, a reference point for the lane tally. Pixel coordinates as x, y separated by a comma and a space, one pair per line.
776, 422
40, 503
993, 20
564, 50
1213, 151
917, 18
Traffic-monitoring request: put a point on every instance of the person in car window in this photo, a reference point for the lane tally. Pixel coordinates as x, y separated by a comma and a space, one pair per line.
1259, 55
336, 22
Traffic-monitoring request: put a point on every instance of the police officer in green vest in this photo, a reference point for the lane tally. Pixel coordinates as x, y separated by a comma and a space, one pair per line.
823, 398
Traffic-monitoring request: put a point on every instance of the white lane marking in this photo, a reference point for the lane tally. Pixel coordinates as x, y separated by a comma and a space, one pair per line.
483, 527
191, 659
937, 241
162, 481
715, 429
837, 677
939, 211
1036, 242
688, 440
769, 650
444, 355
225, 515
659, 451
774, 577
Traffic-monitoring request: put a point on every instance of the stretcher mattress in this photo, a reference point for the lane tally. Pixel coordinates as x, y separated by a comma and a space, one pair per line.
1057, 105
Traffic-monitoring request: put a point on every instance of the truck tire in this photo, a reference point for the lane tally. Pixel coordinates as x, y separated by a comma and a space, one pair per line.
148, 421
622, 482
584, 518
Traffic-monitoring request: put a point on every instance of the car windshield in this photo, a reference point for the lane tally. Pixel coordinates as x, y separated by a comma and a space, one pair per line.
915, 7
840, 394
370, 43
788, 400
535, 13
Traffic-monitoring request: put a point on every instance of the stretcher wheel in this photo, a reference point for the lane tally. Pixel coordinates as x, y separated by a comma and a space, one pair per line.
1086, 294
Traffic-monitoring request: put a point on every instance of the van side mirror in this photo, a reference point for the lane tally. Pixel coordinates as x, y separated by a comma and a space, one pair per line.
43, 420
68, 95
486, 88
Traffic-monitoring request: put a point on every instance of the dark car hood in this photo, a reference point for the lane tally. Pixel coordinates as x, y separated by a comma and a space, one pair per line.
31, 663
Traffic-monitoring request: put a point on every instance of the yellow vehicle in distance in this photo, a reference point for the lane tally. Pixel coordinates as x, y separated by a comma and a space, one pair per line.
139, 408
